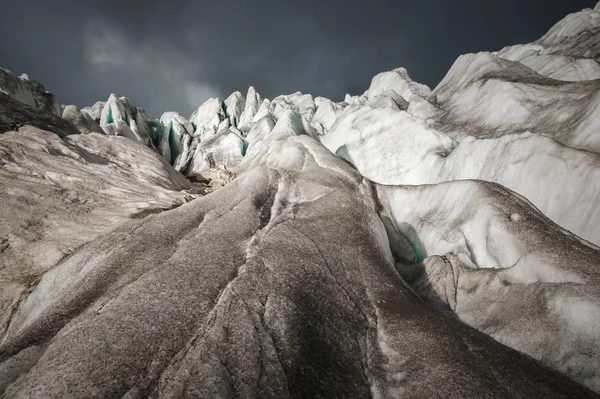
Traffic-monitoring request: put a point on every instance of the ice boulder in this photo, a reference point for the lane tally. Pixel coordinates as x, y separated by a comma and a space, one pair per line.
398, 81
82, 120
95, 111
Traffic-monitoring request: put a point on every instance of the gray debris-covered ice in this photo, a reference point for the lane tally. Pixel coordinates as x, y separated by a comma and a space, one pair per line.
488, 255
279, 284
403, 242
28, 91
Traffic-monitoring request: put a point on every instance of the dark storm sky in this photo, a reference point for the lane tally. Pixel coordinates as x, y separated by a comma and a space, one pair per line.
174, 54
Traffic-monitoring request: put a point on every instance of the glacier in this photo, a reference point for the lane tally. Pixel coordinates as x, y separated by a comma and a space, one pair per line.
403, 242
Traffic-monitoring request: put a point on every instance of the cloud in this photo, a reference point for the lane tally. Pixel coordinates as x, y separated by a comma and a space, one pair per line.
173, 74
197, 93
106, 48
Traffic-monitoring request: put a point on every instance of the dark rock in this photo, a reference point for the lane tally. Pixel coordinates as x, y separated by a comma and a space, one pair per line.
14, 114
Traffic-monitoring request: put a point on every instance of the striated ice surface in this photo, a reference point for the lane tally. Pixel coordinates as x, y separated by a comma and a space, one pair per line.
502, 267
233, 107
177, 128
120, 117
208, 117
28, 91
284, 274
82, 120
253, 102
512, 98
399, 82
403, 242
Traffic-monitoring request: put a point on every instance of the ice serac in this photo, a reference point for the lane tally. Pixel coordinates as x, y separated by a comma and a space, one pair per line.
253, 102
260, 130
223, 149
280, 284
28, 91
178, 129
326, 114
208, 117
303, 104
233, 107
263, 110
355, 100
271, 128
120, 117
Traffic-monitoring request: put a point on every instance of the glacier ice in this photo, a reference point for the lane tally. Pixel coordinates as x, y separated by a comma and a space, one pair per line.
95, 111
485, 247
216, 265
512, 98
233, 107
177, 128
28, 91
573, 25
316, 248
253, 102
399, 82
15, 115
326, 114
120, 117
208, 117
490, 118
82, 120
303, 104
